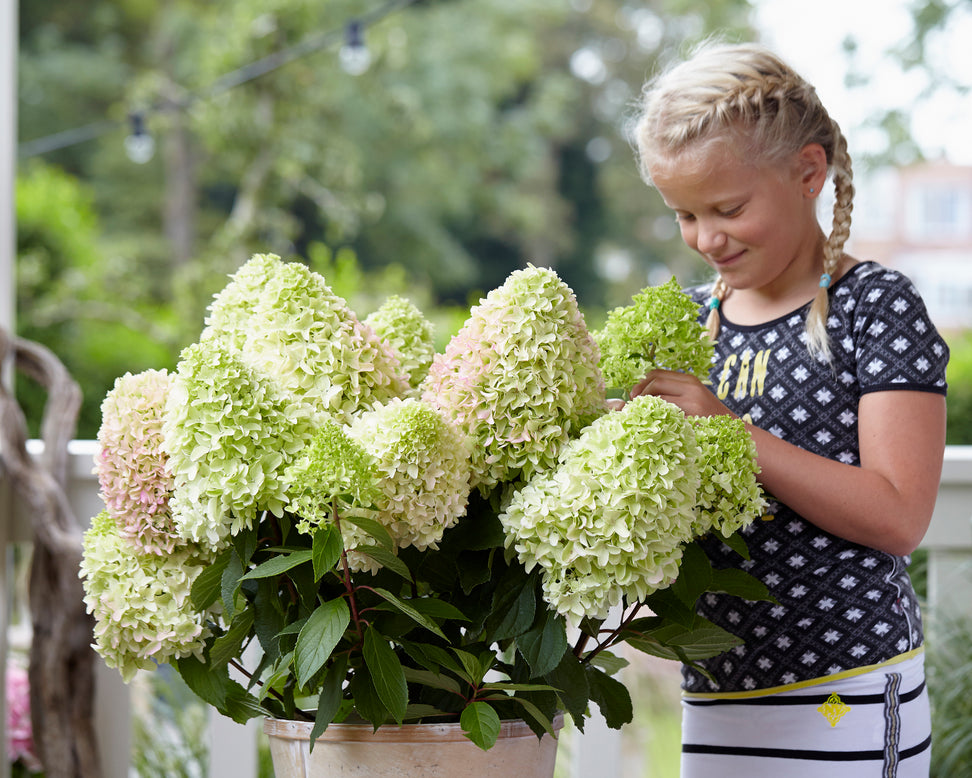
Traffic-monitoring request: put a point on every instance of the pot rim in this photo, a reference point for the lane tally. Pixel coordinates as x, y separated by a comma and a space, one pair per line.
286, 729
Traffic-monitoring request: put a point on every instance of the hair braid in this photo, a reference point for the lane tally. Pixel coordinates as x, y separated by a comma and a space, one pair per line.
712, 323
817, 339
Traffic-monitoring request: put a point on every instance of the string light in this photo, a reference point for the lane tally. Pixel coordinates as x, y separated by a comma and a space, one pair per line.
139, 145
354, 56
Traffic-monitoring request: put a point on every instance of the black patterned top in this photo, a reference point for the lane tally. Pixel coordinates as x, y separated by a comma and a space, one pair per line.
841, 605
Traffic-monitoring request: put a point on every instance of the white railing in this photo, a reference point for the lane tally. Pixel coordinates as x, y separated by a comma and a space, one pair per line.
233, 747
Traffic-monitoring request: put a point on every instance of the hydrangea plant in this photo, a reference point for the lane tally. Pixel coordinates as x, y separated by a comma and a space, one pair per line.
404, 327
330, 544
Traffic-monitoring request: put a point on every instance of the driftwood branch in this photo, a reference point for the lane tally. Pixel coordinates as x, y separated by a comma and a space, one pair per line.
62, 661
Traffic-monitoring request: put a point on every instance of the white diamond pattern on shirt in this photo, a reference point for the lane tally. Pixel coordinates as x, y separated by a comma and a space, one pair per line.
840, 605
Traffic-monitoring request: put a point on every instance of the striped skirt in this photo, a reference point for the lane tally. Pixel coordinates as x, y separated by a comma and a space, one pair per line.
873, 724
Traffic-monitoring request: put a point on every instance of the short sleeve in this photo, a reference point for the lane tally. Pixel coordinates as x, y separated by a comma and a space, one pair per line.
897, 345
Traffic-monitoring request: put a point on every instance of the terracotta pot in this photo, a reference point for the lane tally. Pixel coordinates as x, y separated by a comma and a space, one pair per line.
412, 750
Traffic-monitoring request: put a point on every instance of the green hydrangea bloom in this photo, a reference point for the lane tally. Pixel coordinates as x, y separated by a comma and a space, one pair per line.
410, 335
140, 602
730, 496
228, 434
333, 473
520, 378
423, 465
610, 520
660, 329
233, 305
315, 348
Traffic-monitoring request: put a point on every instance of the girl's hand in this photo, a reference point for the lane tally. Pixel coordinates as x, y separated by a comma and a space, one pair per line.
681, 389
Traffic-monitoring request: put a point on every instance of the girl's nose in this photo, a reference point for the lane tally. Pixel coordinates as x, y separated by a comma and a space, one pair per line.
710, 238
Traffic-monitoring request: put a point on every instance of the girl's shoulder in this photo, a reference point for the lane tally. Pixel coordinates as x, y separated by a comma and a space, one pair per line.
869, 285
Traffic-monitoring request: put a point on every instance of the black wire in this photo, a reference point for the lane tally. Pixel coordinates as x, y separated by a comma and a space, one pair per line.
224, 83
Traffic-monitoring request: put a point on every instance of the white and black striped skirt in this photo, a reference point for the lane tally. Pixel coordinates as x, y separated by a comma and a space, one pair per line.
873, 724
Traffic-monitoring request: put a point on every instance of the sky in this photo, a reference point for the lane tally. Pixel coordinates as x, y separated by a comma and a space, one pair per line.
810, 40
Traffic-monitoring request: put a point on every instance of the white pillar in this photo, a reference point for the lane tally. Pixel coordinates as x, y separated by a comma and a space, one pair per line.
8, 166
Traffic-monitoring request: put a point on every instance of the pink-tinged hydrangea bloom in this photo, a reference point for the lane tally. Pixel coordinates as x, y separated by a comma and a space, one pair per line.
520, 378
423, 468
409, 333
730, 496
306, 338
20, 733
232, 306
229, 434
609, 522
660, 329
140, 602
132, 467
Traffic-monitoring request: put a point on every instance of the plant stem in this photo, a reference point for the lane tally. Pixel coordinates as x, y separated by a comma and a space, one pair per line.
612, 638
235, 664
349, 589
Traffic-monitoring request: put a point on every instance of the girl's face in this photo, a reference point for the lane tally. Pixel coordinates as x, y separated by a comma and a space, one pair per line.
756, 226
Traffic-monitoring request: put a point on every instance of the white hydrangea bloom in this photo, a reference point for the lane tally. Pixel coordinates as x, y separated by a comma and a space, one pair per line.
423, 468
520, 378
140, 602
403, 326
609, 521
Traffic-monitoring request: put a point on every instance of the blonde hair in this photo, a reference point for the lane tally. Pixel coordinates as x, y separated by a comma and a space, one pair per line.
746, 95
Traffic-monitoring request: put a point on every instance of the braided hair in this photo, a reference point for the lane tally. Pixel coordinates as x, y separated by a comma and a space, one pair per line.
746, 95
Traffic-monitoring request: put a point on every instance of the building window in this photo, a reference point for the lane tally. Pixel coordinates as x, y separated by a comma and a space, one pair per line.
939, 212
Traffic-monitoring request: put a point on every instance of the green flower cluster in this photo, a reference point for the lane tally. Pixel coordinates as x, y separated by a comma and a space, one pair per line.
140, 602
520, 378
730, 495
660, 329
316, 349
228, 434
609, 523
403, 327
234, 304
423, 465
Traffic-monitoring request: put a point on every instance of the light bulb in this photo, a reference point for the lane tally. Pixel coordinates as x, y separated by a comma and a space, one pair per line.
354, 56
139, 145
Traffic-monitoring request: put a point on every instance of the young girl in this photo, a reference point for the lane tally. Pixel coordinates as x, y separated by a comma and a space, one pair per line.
840, 376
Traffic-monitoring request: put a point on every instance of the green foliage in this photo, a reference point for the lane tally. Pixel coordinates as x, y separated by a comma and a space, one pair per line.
959, 376
949, 669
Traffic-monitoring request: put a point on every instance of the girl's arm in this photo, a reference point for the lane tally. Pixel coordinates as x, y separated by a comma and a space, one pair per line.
886, 503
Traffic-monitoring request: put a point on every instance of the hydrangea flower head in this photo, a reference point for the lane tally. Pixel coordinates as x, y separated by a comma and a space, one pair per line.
304, 335
132, 468
730, 496
229, 434
140, 602
520, 378
660, 329
610, 520
423, 466
333, 473
403, 326
232, 306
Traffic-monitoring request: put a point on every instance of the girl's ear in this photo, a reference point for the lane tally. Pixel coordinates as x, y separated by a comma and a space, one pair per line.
812, 167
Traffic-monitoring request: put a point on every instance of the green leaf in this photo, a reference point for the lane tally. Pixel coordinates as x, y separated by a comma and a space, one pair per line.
693, 644
208, 683
331, 697
694, 575
737, 543
481, 724
537, 715
404, 607
208, 584
671, 608
387, 559
279, 564
268, 617
366, 701
739, 583
437, 609
474, 671
433, 680
610, 663
611, 696
230, 584
569, 678
245, 543
318, 637
230, 645
514, 606
545, 644
374, 529
386, 672
326, 550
